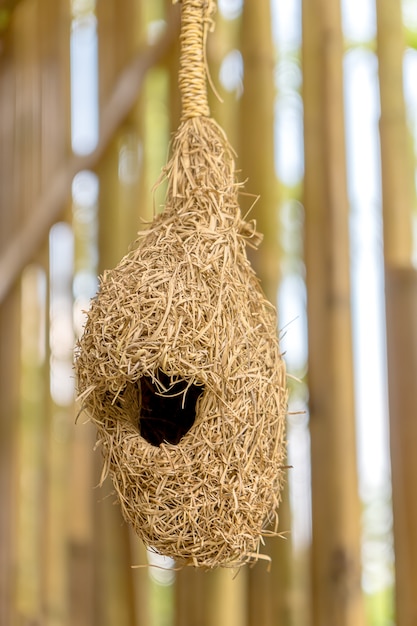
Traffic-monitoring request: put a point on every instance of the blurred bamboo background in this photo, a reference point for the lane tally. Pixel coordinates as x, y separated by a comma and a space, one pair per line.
88, 104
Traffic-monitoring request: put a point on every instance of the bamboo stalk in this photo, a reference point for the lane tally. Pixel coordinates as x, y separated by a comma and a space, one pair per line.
189, 598
9, 338
17, 86
114, 597
224, 104
256, 149
401, 307
9, 411
114, 574
30, 523
81, 572
396, 147
398, 201
336, 578
225, 598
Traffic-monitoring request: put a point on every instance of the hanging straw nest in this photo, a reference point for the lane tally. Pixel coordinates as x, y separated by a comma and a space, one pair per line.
179, 365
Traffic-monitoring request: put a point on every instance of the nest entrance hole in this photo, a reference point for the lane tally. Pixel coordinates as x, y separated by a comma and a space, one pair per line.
167, 408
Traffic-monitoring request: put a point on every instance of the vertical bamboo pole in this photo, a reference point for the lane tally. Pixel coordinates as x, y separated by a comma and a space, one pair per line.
21, 142
48, 21
269, 593
59, 415
19, 102
189, 598
225, 598
396, 148
336, 580
27, 102
398, 194
10, 347
30, 523
121, 209
120, 176
9, 411
115, 591
137, 200
225, 110
172, 66
215, 598
81, 572
81, 543
256, 137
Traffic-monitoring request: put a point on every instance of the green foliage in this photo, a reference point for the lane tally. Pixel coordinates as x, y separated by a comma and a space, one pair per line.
161, 603
411, 38
379, 607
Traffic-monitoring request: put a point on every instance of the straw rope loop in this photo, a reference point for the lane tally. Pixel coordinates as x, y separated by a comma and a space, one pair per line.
196, 21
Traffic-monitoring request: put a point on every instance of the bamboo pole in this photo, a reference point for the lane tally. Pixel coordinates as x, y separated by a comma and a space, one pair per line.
81, 541
19, 101
53, 46
114, 573
225, 598
224, 104
398, 202
396, 148
189, 598
401, 308
9, 411
81, 571
172, 68
336, 572
30, 493
215, 598
121, 209
114, 595
55, 530
256, 137
9, 367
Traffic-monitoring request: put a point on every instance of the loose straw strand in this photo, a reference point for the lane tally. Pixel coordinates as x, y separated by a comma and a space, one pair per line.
196, 21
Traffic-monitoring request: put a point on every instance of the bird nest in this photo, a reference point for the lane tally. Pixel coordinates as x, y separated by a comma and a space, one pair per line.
179, 364
180, 369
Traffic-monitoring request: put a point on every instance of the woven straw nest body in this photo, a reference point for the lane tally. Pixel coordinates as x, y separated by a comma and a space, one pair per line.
184, 304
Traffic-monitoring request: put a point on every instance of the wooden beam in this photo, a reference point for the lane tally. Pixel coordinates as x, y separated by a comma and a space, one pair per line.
335, 558
48, 208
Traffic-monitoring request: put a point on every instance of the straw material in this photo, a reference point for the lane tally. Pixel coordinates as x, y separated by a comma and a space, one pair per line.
179, 367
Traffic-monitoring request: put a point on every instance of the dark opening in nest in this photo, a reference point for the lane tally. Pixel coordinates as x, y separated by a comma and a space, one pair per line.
167, 408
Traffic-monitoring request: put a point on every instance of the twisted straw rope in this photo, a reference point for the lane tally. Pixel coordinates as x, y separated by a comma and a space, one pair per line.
196, 21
